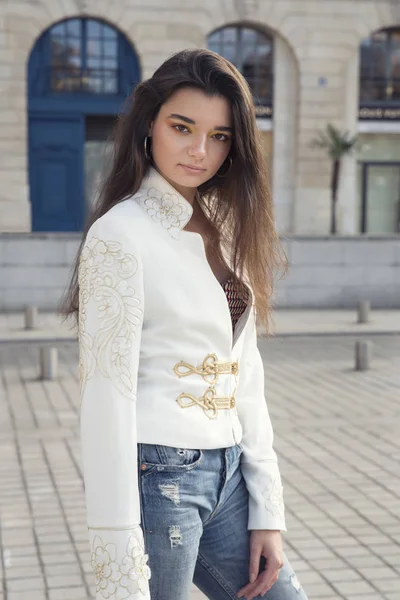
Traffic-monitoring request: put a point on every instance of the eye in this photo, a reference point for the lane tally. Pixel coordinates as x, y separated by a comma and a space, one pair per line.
221, 137
181, 128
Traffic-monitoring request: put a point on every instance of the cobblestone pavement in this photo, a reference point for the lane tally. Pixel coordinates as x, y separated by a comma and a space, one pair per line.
335, 433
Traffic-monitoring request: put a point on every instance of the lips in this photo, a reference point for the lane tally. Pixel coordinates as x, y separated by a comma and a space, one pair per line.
193, 168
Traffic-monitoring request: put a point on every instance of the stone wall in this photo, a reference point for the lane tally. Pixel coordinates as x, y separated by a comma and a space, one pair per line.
324, 272
317, 81
338, 272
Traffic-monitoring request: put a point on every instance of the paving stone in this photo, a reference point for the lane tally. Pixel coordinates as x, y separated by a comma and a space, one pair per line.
30, 595
388, 585
67, 569
377, 573
339, 457
341, 575
59, 581
22, 585
68, 593
318, 590
22, 572
354, 587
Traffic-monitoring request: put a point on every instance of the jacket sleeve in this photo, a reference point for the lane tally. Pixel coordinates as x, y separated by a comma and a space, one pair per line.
110, 323
259, 462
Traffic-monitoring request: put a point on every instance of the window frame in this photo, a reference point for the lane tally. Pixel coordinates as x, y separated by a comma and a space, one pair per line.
387, 80
86, 72
264, 105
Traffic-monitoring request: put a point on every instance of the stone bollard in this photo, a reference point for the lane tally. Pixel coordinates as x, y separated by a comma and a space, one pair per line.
48, 363
31, 317
363, 355
363, 311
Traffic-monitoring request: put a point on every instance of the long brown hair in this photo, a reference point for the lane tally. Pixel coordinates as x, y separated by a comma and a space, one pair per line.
239, 205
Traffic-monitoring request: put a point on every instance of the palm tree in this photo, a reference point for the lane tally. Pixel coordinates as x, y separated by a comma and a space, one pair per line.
338, 144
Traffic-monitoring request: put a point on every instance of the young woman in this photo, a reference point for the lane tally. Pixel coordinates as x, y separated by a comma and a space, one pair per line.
180, 473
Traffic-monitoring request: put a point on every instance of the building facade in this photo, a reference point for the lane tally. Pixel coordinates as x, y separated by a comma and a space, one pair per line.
66, 67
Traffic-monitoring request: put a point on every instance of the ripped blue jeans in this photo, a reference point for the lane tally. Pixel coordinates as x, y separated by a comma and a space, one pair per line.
194, 509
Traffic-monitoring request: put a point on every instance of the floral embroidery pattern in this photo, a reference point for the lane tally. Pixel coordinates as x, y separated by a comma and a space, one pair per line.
120, 580
165, 209
273, 496
104, 274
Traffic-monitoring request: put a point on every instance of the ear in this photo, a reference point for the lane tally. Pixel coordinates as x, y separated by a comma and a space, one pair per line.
150, 131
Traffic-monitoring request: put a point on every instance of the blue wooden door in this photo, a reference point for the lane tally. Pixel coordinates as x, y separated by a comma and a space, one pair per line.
56, 172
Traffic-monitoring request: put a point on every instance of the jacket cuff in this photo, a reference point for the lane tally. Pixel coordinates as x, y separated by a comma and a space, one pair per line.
266, 506
119, 563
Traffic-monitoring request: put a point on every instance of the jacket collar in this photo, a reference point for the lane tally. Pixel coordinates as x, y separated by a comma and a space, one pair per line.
166, 206
163, 203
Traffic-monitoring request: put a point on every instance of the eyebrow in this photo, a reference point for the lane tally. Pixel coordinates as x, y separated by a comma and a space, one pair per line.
191, 122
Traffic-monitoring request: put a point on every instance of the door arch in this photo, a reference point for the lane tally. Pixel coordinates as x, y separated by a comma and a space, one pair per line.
80, 70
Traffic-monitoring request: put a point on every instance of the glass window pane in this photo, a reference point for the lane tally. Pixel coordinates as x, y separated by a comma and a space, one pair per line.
215, 38
248, 37
94, 84
109, 33
249, 62
396, 90
395, 55
215, 47
229, 52
58, 50
383, 184
263, 39
110, 48
110, 85
110, 63
73, 53
74, 27
229, 35
94, 62
58, 29
93, 28
93, 48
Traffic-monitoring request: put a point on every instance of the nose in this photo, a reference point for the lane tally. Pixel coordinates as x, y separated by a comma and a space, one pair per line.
198, 148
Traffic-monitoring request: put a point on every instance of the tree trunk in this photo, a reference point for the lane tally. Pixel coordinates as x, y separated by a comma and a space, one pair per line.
334, 190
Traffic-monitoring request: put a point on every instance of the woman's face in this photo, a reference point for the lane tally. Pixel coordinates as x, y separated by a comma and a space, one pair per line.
191, 138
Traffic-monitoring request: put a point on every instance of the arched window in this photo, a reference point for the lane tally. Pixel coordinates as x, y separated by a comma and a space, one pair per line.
380, 69
251, 51
84, 57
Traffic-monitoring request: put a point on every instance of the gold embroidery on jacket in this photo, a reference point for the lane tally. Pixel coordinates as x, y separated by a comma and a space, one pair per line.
165, 208
210, 402
210, 369
116, 578
105, 272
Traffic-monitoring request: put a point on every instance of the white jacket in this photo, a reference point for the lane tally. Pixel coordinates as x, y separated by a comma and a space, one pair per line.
159, 365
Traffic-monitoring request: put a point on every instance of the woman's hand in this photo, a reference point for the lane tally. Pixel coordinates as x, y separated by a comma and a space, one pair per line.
267, 543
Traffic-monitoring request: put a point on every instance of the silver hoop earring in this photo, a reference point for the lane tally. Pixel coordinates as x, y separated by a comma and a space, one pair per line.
146, 150
227, 170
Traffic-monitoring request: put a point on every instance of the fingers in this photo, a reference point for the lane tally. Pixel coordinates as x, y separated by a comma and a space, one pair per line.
268, 578
264, 582
254, 566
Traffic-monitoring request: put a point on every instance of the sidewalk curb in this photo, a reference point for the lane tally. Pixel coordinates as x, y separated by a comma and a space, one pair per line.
282, 334
44, 340
329, 333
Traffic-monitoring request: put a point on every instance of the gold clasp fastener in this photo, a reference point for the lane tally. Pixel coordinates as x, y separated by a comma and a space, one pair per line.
209, 370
